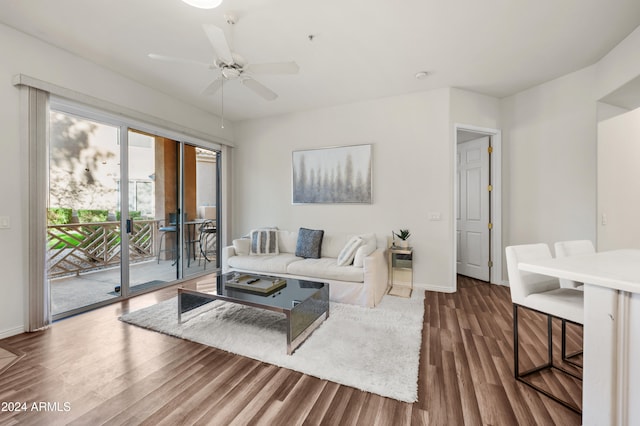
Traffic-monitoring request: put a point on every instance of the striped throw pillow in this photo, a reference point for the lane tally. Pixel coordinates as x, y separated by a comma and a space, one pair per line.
264, 242
348, 252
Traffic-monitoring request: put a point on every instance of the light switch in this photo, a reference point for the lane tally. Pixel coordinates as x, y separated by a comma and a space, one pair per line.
604, 219
4, 222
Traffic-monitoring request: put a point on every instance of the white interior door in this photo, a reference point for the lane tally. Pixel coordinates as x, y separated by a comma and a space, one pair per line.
473, 209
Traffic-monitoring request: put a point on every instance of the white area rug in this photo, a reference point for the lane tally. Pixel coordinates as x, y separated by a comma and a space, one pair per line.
376, 350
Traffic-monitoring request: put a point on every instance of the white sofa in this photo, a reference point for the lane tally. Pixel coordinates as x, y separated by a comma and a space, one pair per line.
354, 284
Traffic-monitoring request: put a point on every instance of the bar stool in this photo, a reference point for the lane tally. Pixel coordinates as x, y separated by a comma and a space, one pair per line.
172, 227
544, 295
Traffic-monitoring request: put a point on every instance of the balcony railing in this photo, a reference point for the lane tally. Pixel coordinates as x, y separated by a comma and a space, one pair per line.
82, 247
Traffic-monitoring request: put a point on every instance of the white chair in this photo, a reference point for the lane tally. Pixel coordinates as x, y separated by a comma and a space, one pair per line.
573, 248
542, 294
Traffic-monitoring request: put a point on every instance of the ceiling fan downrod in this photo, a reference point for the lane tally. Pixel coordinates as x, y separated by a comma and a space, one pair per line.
222, 102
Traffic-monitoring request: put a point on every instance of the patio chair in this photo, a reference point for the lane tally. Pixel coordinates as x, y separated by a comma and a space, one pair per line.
208, 241
172, 227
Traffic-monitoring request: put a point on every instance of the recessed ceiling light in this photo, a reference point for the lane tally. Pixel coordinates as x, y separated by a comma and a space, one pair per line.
421, 75
203, 4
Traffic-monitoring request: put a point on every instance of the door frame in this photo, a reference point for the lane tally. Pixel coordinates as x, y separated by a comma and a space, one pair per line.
495, 180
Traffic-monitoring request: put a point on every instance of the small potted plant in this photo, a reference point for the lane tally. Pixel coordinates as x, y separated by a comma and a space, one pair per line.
403, 235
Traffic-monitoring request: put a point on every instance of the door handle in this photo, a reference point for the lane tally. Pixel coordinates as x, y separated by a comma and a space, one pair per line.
129, 226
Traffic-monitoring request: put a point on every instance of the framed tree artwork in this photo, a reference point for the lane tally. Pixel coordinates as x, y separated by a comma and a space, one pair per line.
333, 175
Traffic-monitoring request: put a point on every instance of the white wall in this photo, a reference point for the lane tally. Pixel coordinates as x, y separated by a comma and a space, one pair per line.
22, 54
474, 109
549, 148
619, 66
412, 175
607, 111
619, 182
549, 167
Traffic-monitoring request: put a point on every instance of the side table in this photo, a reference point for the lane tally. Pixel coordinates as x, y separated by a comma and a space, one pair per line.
400, 271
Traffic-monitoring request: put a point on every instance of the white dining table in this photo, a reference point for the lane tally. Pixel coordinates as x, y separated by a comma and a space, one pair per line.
611, 373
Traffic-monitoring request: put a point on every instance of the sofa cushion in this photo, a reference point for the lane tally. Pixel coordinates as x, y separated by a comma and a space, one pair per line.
348, 252
242, 246
264, 264
368, 246
309, 243
287, 240
332, 243
326, 268
264, 242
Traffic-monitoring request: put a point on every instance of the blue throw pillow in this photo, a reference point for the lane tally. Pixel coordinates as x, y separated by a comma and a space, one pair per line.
309, 243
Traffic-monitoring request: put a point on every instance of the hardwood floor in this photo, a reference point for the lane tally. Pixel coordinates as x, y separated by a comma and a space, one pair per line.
8, 358
94, 369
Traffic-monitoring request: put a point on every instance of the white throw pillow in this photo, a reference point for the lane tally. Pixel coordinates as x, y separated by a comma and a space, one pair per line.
368, 246
349, 251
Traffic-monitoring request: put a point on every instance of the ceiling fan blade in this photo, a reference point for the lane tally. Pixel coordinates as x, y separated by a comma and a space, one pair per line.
260, 89
274, 68
219, 42
178, 60
213, 87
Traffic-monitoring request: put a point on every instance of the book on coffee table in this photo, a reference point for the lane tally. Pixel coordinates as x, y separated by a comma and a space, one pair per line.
258, 284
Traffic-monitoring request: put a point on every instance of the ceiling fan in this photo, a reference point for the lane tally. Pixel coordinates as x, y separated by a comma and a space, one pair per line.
232, 66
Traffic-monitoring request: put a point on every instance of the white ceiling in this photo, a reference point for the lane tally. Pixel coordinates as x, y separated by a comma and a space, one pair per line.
360, 50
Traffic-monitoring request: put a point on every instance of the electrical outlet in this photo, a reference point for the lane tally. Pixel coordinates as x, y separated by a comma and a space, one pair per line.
434, 216
4, 222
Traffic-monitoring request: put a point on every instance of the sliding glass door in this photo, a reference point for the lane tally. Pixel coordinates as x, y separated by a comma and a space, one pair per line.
153, 223
200, 174
129, 211
83, 233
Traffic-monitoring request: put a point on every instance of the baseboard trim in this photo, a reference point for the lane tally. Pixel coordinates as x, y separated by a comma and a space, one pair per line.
443, 289
11, 332
432, 287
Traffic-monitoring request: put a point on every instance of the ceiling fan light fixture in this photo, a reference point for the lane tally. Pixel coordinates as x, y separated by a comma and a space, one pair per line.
231, 73
203, 4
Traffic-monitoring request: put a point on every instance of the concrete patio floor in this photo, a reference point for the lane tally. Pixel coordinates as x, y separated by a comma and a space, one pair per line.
74, 292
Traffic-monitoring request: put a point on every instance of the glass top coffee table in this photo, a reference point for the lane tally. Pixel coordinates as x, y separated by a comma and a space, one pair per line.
304, 303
